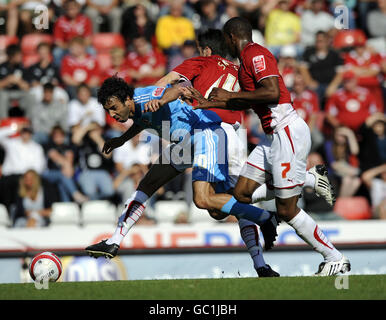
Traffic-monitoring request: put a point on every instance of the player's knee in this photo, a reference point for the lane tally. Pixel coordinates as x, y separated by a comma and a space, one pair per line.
217, 215
242, 196
286, 209
200, 202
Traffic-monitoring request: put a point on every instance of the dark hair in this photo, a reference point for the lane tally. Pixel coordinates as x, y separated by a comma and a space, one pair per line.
114, 87
81, 86
321, 33
48, 86
238, 26
44, 44
213, 39
12, 49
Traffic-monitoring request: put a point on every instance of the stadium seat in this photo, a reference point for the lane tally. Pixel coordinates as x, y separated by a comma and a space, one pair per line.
6, 122
65, 213
30, 59
4, 217
98, 212
348, 38
353, 208
167, 211
104, 61
104, 42
5, 41
30, 42
197, 215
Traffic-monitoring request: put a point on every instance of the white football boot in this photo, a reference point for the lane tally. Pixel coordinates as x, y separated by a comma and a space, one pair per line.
332, 268
323, 186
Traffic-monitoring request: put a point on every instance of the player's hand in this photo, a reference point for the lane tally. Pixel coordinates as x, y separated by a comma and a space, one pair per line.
152, 106
192, 93
219, 94
112, 144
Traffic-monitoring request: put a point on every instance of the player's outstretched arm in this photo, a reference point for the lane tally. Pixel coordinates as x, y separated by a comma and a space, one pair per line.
171, 78
117, 142
192, 93
267, 92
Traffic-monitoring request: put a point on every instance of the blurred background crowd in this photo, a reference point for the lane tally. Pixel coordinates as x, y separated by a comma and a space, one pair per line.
331, 54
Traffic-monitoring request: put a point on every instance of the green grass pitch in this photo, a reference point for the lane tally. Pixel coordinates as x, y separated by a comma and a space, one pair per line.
360, 287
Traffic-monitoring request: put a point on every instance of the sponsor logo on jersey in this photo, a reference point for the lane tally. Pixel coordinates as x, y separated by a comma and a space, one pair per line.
259, 63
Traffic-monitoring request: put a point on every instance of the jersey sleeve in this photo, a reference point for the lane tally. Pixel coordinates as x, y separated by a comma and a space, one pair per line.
261, 64
190, 68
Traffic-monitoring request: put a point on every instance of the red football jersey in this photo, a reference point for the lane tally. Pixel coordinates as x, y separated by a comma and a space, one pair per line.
258, 63
367, 60
66, 29
206, 73
150, 61
351, 108
81, 70
305, 104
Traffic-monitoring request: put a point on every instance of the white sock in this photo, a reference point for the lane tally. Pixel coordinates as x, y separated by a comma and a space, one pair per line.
263, 193
250, 235
134, 207
307, 229
310, 180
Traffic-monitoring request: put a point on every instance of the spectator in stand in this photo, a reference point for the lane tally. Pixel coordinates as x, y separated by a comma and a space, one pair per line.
119, 66
145, 64
94, 179
13, 82
136, 23
255, 11
96, 9
60, 166
188, 50
375, 181
341, 153
187, 8
173, 29
44, 72
288, 65
211, 17
48, 113
131, 164
282, 27
21, 154
367, 67
84, 110
34, 201
313, 20
79, 67
316, 206
376, 20
350, 105
306, 104
72, 24
320, 65
8, 10
373, 141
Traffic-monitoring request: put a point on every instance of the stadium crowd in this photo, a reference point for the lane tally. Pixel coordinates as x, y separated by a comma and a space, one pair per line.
331, 54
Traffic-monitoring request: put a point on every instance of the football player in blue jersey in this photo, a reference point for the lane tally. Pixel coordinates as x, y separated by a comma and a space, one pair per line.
197, 135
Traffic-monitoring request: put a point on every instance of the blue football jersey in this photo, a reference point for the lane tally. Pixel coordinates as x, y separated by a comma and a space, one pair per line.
175, 118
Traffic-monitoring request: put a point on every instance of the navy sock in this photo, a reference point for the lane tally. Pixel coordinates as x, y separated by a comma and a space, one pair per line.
246, 211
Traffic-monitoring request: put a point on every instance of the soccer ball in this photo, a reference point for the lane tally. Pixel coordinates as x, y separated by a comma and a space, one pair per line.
45, 265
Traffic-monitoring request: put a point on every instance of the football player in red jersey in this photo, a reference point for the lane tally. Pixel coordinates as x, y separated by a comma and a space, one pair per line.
205, 72
282, 161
